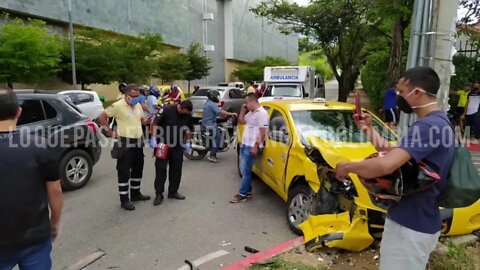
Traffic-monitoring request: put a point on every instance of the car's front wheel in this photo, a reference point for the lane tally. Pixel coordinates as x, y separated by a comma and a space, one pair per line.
76, 168
298, 203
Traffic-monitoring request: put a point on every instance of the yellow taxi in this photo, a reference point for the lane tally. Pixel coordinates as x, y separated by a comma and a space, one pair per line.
306, 139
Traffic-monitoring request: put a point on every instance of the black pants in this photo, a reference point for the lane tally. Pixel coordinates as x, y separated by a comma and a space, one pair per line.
175, 161
129, 169
473, 121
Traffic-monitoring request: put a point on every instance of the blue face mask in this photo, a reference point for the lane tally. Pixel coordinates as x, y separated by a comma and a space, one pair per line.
135, 101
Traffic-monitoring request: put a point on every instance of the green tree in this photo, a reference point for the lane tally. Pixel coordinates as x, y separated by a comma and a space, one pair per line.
374, 77
393, 19
139, 57
173, 66
103, 57
467, 71
306, 45
318, 60
28, 52
340, 27
254, 70
199, 65
96, 58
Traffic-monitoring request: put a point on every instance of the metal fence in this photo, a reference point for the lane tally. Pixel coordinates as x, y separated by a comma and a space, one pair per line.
468, 48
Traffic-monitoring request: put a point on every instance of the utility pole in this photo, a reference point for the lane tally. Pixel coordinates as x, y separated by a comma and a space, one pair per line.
72, 46
444, 43
432, 41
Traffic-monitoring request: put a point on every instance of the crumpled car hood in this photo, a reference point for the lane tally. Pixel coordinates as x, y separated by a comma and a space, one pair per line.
335, 152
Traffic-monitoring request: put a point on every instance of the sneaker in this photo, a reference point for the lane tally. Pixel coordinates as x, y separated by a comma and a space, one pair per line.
249, 195
238, 198
212, 159
140, 197
128, 206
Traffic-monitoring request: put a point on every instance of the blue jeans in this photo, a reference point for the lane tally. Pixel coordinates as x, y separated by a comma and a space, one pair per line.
216, 134
36, 257
246, 164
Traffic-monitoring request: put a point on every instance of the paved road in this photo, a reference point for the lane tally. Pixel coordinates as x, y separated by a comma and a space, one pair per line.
163, 237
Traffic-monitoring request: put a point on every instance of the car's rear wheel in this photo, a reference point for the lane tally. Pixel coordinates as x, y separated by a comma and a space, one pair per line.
298, 203
76, 168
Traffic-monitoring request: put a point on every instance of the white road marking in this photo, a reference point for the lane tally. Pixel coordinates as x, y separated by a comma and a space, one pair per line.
204, 259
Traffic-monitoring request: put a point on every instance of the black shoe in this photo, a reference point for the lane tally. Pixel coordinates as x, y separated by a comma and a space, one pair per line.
140, 197
176, 196
128, 206
158, 199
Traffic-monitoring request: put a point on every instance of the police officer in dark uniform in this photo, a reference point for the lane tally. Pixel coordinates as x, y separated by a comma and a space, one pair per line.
175, 123
129, 116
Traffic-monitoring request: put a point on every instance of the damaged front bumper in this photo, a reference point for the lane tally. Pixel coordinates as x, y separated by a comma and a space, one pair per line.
336, 231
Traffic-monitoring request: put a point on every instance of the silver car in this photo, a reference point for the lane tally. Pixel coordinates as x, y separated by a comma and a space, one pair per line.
231, 99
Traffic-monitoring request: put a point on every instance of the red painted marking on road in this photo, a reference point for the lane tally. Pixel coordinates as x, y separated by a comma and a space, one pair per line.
274, 251
474, 147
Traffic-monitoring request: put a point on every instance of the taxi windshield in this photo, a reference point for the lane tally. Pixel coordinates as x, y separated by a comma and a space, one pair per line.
335, 125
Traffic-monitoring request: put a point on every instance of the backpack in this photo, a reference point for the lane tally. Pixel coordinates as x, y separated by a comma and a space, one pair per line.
463, 181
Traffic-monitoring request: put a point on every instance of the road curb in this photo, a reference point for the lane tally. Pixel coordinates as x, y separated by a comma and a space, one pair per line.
261, 256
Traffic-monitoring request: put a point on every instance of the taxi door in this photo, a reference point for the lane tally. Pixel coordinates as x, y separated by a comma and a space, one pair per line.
275, 154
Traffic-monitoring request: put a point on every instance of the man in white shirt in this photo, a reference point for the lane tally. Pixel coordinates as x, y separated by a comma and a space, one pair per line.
256, 118
471, 114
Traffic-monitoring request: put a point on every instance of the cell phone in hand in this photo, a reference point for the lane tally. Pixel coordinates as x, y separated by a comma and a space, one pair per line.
358, 107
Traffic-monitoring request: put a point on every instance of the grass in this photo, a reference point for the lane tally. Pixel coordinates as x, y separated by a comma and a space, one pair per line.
278, 263
457, 258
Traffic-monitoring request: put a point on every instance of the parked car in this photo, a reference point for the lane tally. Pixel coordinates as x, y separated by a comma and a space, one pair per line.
239, 85
88, 102
306, 140
66, 129
231, 99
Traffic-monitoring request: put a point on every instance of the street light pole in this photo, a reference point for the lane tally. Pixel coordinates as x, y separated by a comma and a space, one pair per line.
72, 46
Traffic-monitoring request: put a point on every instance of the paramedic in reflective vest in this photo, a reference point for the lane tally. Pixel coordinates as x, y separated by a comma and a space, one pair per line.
130, 117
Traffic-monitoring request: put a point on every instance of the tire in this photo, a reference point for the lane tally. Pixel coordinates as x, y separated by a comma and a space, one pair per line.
298, 212
196, 154
76, 168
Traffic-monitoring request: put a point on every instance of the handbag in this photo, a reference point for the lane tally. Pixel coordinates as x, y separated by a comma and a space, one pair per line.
161, 152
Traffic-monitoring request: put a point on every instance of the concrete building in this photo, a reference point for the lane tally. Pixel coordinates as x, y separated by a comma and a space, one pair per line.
232, 35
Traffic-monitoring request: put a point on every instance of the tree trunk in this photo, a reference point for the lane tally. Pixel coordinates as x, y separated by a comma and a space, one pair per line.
396, 48
189, 88
346, 83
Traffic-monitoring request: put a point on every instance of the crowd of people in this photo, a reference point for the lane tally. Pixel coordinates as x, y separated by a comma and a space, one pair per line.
412, 224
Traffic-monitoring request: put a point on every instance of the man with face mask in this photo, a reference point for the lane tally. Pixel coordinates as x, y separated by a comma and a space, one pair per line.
129, 115
413, 224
